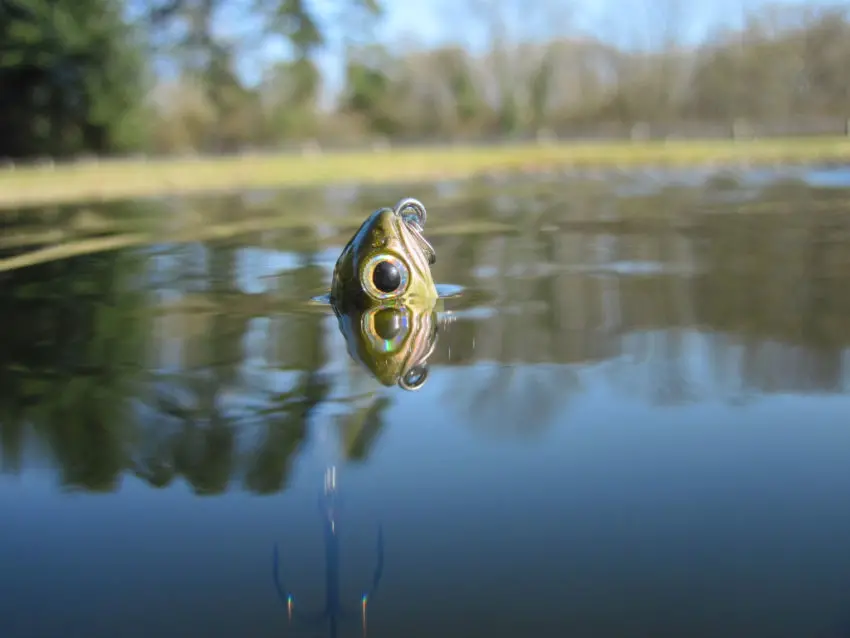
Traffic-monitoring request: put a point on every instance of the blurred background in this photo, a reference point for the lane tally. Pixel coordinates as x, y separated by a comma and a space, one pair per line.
113, 77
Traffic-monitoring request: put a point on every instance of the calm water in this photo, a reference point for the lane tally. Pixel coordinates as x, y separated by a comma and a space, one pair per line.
636, 422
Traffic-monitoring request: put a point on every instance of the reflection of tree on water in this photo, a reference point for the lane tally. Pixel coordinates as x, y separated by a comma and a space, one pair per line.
79, 335
73, 333
735, 304
335, 609
215, 396
29, 229
361, 424
499, 394
284, 433
762, 293
203, 448
113, 381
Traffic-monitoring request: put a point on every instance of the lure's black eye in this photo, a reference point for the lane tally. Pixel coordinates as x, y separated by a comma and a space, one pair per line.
388, 324
386, 276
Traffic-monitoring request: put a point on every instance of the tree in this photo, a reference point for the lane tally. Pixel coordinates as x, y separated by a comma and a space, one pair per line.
72, 78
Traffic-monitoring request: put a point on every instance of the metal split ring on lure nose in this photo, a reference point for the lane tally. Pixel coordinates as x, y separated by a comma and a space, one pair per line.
416, 220
418, 209
414, 378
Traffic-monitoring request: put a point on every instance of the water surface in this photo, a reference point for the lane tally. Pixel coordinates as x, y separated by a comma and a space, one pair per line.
635, 424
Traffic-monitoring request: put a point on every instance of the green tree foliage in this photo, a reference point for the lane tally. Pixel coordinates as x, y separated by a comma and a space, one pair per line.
368, 91
71, 78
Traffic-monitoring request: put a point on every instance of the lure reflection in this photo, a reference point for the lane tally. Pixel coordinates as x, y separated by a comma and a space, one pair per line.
393, 342
334, 610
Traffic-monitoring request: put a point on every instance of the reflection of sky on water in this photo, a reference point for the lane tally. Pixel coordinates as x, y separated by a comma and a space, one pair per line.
748, 183
181, 269
257, 267
837, 177
729, 500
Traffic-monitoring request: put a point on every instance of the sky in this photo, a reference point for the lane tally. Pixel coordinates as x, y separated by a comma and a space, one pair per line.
436, 20
628, 23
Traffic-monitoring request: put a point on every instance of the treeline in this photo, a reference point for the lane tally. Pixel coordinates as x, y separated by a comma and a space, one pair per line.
164, 76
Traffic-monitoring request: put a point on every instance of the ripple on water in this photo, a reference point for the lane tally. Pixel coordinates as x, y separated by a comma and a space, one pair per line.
444, 291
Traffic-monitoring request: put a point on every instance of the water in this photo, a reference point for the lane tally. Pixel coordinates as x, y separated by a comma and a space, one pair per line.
634, 424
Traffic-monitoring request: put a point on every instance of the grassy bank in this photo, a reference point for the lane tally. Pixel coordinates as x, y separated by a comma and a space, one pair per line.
124, 179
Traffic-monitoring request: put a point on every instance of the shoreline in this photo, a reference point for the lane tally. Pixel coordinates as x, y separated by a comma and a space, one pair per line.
110, 180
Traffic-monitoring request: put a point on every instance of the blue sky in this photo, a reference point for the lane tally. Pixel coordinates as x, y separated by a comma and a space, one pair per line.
432, 22
435, 20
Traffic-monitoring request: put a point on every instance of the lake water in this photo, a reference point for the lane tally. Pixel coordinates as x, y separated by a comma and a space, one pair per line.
636, 420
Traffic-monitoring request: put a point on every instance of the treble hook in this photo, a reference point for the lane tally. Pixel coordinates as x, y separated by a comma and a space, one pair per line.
333, 610
416, 220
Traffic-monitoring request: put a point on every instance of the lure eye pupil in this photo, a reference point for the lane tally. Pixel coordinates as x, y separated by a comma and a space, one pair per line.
386, 277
